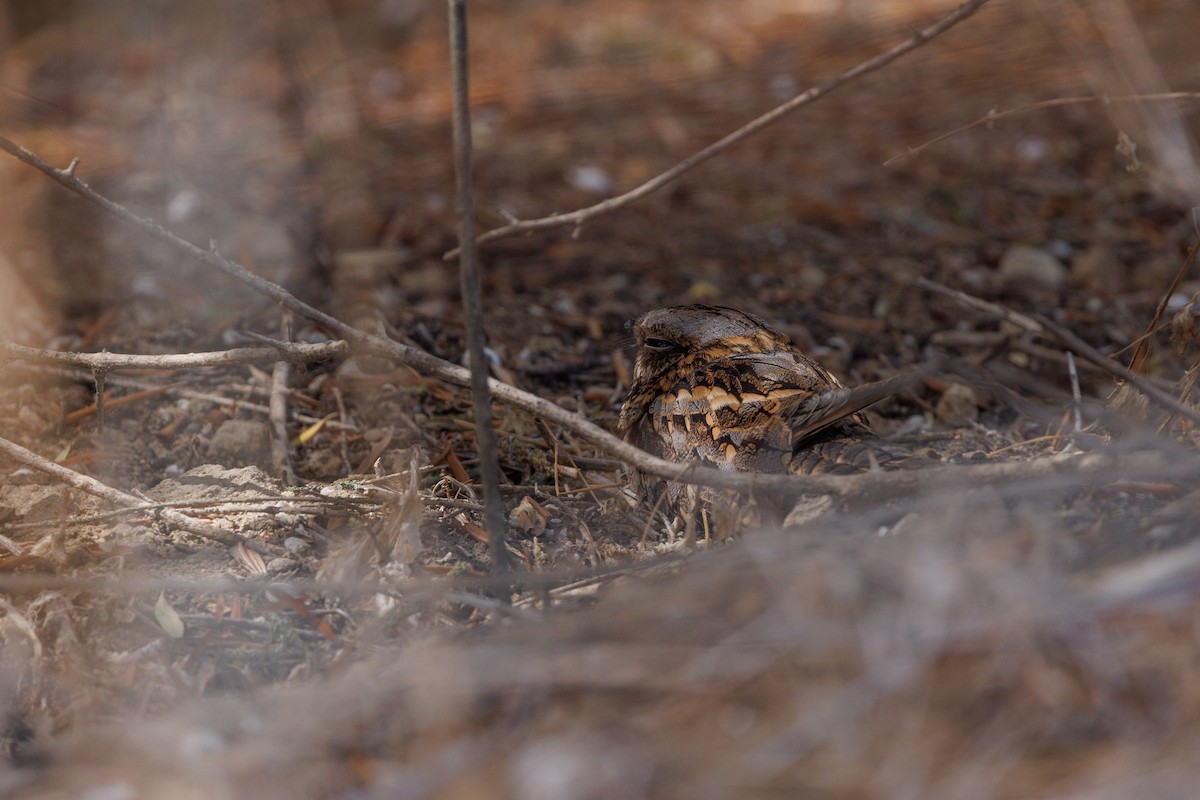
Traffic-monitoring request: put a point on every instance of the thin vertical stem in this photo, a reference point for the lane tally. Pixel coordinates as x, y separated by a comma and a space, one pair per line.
485, 435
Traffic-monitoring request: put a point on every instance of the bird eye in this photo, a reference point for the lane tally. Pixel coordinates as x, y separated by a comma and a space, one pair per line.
659, 344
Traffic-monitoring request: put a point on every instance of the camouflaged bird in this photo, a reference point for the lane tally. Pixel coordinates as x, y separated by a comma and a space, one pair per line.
720, 387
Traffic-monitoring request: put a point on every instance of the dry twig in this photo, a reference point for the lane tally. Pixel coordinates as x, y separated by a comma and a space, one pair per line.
1057, 102
580, 216
106, 492
979, 304
485, 433
281, 457
284, 351
1042, 325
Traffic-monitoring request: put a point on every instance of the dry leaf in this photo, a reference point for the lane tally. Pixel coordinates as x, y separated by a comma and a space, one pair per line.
282, 596
168, 618
248, 559
312, 430
530, 516
471, 529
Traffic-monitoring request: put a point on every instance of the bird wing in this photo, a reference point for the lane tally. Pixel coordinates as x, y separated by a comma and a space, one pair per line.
754, 411
812, 413
788, 385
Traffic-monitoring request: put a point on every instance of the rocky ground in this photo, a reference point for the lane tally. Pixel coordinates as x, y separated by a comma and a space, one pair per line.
1021, 626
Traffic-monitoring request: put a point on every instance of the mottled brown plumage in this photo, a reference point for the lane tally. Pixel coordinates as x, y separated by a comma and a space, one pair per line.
720, 387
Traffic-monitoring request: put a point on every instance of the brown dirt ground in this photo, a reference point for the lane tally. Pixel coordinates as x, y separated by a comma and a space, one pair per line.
967, 641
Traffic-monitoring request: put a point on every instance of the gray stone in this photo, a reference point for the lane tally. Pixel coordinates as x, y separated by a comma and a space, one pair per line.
240, 442
1024, 263
957, 407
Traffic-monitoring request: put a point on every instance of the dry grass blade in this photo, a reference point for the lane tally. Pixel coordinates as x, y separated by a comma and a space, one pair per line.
1058, 102
1142, 350
388, 551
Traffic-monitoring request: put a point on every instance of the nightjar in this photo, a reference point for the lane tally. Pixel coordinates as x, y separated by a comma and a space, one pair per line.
722, 388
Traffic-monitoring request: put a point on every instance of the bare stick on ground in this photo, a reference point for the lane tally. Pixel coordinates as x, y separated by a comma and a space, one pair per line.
284, 351
281, 457
117, 497
481, 400
580, 216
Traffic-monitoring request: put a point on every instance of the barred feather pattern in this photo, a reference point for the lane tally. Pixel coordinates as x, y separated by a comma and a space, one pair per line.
719, 387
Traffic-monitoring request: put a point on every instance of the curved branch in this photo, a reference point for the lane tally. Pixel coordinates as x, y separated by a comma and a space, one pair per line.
580, 216
990, 118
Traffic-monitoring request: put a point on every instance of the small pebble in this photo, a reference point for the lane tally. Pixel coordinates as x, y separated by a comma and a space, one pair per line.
957, 407
295, 545
240, 442
1097, 269
590, 179
1023, 263
277, 565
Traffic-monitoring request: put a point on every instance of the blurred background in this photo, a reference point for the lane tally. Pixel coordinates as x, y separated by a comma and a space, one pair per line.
309, 141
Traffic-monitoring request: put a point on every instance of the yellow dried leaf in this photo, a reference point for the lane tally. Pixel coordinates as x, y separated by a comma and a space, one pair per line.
168, 618
312, 430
